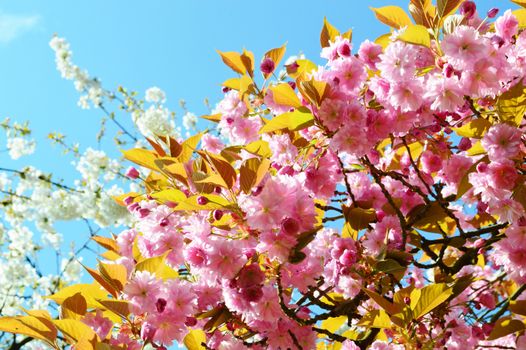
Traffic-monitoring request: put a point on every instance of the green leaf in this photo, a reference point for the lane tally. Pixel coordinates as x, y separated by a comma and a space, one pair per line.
297, 120
393, 16
416, 34
428, 298
511, 105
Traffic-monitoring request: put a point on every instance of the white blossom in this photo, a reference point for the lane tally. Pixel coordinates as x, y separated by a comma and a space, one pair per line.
155, 95
20, 146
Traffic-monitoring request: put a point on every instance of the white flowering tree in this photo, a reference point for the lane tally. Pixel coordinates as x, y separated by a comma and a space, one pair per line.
35, 260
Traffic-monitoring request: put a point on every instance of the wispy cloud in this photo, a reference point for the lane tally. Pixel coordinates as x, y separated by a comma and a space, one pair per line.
12, 26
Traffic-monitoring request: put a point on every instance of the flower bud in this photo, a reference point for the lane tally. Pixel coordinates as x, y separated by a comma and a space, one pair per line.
202, 200
144, 212
468, 9
128, 200
492, 12
464, 144
267, 65
132, 173
147, 332
218, 214
290, 226
190, 321
160, 305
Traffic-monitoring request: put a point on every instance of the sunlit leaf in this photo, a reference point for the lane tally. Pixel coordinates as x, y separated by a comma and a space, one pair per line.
297, 120
233, 60
194, 339
416, 34
474, 129
393, 16
511, 105
328, 33
283, 94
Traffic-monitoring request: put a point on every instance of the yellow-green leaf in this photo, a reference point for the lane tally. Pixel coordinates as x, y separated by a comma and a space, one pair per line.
276, 55
188, 147
30, 326
304, 68
447, 7
383, 40
252, 172
170, 195
75, 329
194, 339
115, 274
416, 34
333, 324
89, 291
214, 202
376, 319
296, 120
152, 265
518, 307
282, 94
393, 16
428, 298
141, 157
385, 304
511, 105
328, 33
520, 14
74, 307
233, 60
505, 326
474, 129
118, 307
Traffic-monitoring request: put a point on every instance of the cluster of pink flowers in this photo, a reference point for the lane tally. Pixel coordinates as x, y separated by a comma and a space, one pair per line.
275, 260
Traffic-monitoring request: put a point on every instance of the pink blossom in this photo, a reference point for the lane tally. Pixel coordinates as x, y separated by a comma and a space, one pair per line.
502, 141
507, 25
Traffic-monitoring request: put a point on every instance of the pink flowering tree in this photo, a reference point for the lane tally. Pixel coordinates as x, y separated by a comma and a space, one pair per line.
377, 201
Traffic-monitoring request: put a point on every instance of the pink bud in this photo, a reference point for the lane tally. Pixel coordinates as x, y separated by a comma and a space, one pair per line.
164, 222
493, 12
292, 68
249, 276
170, 204
407, 300
482, 167
290, 226
252, 294
144, 212
468, 9
132, 173
190, 321
292, 85
128, 200
147, 331
202, 200
464, 144
218, 214
160, 304
267, 65
344, 49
